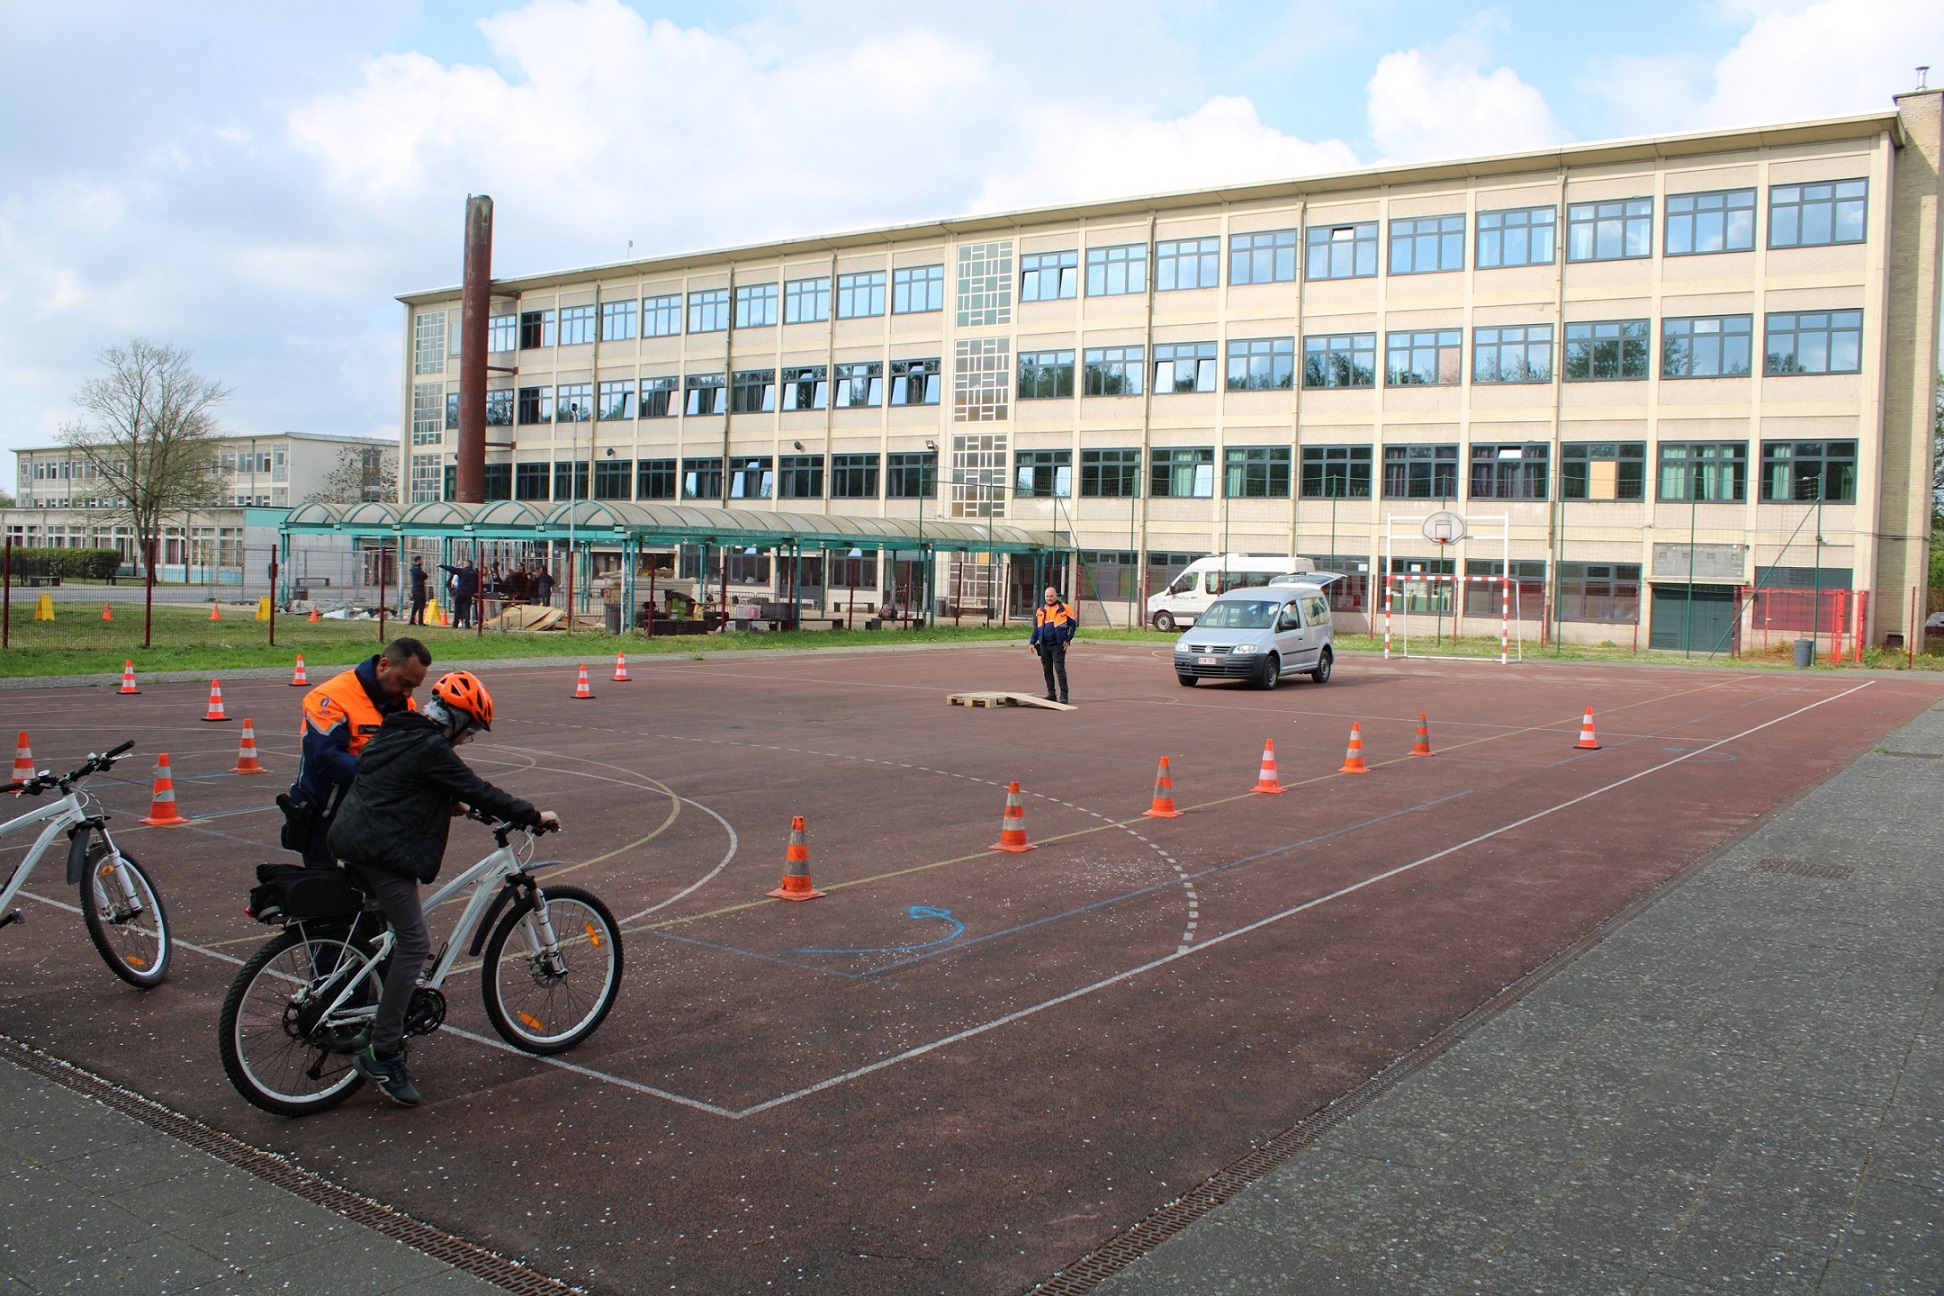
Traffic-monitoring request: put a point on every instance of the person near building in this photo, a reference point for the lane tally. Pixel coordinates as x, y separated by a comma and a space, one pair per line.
340, 716
465, 587
543, 584
1053, 625
420, 583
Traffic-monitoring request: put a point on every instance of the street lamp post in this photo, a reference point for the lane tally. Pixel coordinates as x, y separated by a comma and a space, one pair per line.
924, 489
1694, 508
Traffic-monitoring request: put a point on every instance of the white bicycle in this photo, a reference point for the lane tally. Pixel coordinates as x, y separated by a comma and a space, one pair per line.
303, 1004
118, 902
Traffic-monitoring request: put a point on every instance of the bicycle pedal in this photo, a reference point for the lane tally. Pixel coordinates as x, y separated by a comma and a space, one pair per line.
13, 917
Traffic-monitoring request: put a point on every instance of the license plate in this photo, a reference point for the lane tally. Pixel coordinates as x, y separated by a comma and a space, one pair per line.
1206, 661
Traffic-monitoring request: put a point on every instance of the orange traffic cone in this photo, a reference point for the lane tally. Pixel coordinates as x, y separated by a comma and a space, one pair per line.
1353, 761
23, 766
106, 613
298, 680
246, 755
1422, 747
1266, 780
128, 677
1012, 824
582, 692
215, 611
796, 867
314, 616
214, 711
621, 668
162, 805
1164, 806
1587, 740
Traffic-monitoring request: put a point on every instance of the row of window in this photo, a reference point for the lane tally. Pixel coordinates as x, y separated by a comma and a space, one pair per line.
899, 475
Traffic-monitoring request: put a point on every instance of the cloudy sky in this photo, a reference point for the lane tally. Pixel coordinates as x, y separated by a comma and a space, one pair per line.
257, 180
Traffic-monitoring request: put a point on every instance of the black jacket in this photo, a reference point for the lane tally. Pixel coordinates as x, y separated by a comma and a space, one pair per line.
399, 810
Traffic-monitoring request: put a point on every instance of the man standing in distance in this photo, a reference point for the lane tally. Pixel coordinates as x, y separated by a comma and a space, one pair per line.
418, 579
340, 716
1053, 627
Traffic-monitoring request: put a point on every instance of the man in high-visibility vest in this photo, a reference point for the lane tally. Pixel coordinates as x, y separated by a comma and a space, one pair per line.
341, 715
1053, 625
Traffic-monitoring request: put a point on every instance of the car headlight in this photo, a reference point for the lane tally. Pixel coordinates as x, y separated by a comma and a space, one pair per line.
1242, 650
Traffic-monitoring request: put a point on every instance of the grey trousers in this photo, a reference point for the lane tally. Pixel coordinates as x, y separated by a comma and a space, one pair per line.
399, 897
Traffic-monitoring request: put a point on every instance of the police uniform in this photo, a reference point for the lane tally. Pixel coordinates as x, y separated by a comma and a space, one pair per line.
1053, 629
341, 715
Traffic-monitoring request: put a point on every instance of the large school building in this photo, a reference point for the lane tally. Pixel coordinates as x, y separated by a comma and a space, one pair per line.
1679, 389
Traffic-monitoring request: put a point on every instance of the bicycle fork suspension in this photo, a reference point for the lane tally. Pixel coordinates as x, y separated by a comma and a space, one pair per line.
546, 946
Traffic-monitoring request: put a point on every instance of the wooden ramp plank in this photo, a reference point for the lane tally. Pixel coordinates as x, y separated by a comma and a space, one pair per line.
1004, 699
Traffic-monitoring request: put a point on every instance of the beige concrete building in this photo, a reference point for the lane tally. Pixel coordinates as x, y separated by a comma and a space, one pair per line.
1682, 385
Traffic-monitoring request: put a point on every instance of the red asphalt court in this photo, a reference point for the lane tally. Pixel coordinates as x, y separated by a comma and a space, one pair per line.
961, 1070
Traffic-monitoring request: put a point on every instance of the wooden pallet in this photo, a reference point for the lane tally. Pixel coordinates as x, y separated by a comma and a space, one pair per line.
1004, 700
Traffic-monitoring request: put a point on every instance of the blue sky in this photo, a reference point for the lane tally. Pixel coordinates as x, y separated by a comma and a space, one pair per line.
256, 182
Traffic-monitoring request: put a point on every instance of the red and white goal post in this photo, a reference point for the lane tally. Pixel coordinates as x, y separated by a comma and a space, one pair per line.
1398, 623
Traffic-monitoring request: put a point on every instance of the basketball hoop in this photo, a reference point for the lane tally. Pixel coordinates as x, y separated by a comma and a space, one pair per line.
1444, 527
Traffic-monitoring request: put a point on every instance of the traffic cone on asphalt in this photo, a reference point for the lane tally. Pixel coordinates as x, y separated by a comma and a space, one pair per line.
582, 692
1587, 742
215, 611
1422, 747
621, 668
107, 614
23, 766
162, 805
313, 616
214, 711
796, 867
246, 755
1164, 806
1353, 761
298, 680
128, 676
1266, 780
1012, 824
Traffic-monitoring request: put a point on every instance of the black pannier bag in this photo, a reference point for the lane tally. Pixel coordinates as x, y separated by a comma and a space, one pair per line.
286, 891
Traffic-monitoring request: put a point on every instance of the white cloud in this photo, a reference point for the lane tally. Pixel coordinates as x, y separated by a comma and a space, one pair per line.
1440, 103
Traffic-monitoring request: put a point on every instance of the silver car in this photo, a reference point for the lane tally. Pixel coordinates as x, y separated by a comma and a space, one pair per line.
1259, 635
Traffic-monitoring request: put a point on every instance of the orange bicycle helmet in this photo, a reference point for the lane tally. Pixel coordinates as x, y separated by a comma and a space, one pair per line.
462, 691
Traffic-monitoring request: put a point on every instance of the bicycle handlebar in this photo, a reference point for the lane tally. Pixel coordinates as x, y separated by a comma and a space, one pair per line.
503, 827
94, 764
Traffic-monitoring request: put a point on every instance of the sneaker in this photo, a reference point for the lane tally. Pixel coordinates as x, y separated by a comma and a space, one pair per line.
1063, 698
388, 1073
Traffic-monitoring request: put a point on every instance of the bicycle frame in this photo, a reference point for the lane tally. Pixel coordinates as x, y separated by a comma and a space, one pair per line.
62, 815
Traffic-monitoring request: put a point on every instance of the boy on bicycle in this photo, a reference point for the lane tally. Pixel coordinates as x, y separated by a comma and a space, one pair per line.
392, 828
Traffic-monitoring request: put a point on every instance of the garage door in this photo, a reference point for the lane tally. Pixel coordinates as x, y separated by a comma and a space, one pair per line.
1710, 611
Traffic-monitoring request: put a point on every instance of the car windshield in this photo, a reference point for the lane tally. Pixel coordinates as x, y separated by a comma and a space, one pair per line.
1239, 614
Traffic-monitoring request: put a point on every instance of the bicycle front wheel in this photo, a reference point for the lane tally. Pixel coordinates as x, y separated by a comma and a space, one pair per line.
547, 998
125, 918
284, 1046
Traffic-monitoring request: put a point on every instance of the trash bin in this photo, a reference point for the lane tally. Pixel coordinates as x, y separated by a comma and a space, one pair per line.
1805, 653
613, 611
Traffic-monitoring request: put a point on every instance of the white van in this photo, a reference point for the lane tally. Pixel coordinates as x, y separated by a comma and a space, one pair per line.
1203, 579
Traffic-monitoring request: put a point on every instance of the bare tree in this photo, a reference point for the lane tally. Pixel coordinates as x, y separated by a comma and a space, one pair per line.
149, 435
362, 473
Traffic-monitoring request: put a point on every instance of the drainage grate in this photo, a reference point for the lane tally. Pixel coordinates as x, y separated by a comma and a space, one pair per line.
1804, 869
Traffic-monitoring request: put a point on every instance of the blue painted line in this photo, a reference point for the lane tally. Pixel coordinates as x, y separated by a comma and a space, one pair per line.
915, 911
747, 953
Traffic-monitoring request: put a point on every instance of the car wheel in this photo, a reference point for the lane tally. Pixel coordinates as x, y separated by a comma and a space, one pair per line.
1164, 622
1186, 681
1271, 673
1322, 672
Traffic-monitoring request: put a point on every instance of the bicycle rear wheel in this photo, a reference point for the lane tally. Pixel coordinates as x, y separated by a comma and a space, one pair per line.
545, 1001
278, 1047
125, 918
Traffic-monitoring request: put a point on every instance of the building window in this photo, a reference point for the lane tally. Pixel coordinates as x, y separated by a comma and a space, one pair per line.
573, 402
613, 478
861, 385
1512, 355
853, 476
1184, 367
1340, 360
1706, 346
1043, 474
1427, 244
1811, 215
806, 301
1608, 592
1426, 359
427, 478
1117, 271
1713, 471
1110, 474
1049, 276
860, 296
536, 329
981, 374
530, 481
915, 382
1336, 472
499, 407
1517, 237
702, 479
577, 326
751, 479
805, 388
1603, 470
918, 289
661, 316
1421, 472
1510, 472
1267, 257
536, 404
1183, 264
753, 391
428, 414
429, 342
503, 333
800, 477
654, 479
756, 305
1114, 371
704, 394
708, 310
1182, 473
569, 480
499, 481
1261, 364
617, 401
451, 410
1610, 351
985, 279
1341, 251
618, 324
1814, 342
910, 474
1802, 472
657, 397
1610, 231
1256, 472
1045, 375
1710, 222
